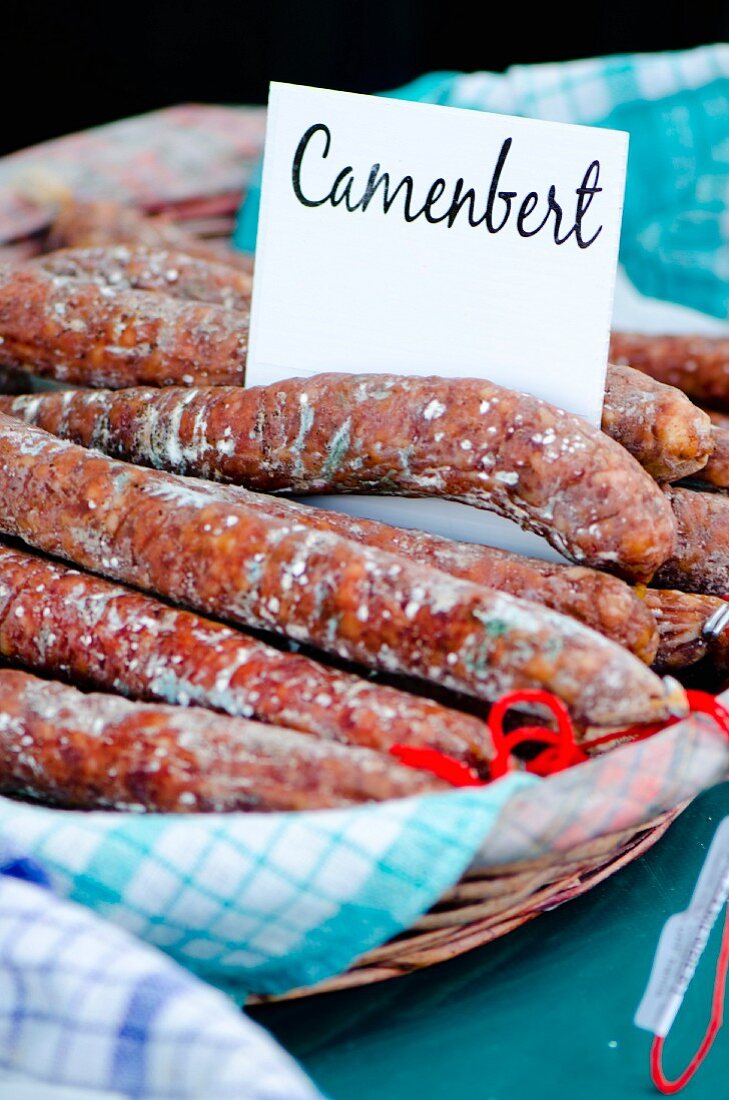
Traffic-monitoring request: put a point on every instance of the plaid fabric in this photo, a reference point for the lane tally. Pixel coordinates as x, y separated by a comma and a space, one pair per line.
84, 1005
266, 902
261, 902
676, 109
169, 156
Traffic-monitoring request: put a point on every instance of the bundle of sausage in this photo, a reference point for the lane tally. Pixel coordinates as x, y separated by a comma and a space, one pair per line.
124, 316
126, 304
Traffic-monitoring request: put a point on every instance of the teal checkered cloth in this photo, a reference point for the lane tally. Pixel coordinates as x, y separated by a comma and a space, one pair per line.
262, 902
675, 107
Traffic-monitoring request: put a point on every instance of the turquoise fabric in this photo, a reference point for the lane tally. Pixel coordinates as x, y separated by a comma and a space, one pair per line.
262, 902
675, 239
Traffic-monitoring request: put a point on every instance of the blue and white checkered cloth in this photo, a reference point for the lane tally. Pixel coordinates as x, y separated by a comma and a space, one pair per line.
85, 1005
261, 902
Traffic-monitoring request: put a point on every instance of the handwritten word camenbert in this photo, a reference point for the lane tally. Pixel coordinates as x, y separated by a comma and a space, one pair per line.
439, 202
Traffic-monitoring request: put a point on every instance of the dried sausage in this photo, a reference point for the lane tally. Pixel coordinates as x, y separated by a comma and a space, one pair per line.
70, 624
662, 429
698, 365
79, 332
219, 551
716, 471
163, 270
681, 619
700, 562
462, 439
88, 224
99, 751
599, 600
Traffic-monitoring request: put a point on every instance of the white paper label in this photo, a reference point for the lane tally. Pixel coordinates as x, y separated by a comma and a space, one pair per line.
416, 239
683, 940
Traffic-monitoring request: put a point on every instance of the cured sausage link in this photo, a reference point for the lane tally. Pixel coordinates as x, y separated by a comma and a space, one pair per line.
698, 365
89, 224
700, 562
104, 752
662, 429
597, 599
681, 619
163, 270
191, 542
716, 471
66, 623
79, 332
462, 439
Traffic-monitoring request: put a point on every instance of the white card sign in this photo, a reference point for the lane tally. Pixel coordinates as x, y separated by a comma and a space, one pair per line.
415, 239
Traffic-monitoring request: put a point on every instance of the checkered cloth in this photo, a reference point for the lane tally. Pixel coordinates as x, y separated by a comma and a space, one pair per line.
260, 902
165, 157
249, 901
87, 1006
676, 109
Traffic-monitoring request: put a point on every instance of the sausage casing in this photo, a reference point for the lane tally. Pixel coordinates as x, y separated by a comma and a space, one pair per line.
79, 332
700, 562
101, 223
462, 439
219, 551
104, 752
698, 365
681, 619
162, 270
662, 429
716, 471
70, 624
599, 600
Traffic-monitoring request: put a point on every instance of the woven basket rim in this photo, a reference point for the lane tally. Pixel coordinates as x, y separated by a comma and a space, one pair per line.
509, 897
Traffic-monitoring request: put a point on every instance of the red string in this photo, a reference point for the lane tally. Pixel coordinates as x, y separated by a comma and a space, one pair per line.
438, 764
702, 703
661, 1082
562, 751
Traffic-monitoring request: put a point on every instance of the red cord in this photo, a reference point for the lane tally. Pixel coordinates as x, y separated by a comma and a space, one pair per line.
662, 1083
701, 703
562, 751
438, 764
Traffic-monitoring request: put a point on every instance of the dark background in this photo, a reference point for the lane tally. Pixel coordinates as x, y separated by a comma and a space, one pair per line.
69, 66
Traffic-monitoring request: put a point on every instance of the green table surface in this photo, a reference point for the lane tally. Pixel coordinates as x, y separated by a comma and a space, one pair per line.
545, 1012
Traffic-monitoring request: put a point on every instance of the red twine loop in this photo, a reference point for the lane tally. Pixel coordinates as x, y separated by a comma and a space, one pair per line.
661, 1082
701, 703
562, 751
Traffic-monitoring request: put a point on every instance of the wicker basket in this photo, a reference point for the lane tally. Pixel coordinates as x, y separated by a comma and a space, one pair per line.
487, 904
